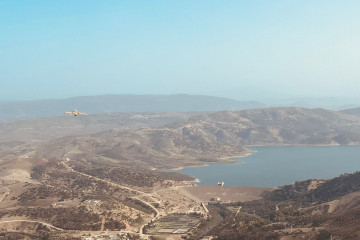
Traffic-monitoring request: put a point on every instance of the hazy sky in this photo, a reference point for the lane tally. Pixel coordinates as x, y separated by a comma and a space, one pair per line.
247, 50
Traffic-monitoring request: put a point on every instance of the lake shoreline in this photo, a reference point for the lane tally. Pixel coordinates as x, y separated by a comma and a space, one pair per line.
233, 159
278, 165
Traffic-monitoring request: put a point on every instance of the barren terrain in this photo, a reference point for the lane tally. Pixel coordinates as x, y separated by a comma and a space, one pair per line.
104, 181
224, 193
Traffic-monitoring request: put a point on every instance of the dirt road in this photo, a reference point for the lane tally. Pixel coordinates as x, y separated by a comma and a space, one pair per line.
33, 221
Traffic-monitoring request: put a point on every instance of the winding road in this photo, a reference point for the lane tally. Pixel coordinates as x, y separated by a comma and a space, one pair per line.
157, 212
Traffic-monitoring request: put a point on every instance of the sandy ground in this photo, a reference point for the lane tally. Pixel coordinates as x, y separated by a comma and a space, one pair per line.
18, 170
225, 193
173, 200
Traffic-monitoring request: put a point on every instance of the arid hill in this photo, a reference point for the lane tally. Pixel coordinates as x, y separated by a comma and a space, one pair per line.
312, 209
276, 126
56, 127
352, 111
159, 148
211, 137
105, 180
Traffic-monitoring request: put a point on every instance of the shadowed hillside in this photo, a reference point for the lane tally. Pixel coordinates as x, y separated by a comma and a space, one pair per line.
318, 190
312, 209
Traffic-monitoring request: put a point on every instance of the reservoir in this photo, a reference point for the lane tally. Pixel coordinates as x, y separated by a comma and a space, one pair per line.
277, 166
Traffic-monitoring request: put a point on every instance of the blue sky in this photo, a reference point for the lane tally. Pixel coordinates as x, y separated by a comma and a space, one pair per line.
247, 50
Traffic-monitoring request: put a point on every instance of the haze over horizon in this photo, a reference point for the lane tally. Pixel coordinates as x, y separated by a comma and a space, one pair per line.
183, 119
244, 50
333, 103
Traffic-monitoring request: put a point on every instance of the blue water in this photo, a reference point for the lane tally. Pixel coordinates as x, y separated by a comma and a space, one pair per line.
277, 166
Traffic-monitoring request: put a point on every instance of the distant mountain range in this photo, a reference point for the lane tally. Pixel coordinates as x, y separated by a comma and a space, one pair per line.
21, 110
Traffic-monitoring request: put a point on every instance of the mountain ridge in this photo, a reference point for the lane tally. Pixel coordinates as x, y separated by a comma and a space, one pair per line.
215, 136
20, 110
352, 111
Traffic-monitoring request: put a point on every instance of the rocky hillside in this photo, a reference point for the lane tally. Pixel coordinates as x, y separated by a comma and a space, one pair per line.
78, 170
352, 111
56, 127
312, 209
318, 190
275, 126
159, 148
211, 137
